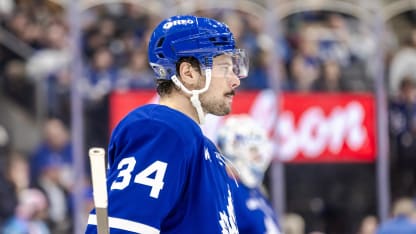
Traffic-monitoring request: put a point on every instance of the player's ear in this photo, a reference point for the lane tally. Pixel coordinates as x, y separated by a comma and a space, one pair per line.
189, 75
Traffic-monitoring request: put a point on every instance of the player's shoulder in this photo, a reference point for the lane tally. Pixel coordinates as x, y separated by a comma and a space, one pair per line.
154, 117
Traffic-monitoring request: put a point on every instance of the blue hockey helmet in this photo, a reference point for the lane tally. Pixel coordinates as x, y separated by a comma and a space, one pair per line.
192, 36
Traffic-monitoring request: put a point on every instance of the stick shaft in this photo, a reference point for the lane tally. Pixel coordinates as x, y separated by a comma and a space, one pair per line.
102, 220
99, 186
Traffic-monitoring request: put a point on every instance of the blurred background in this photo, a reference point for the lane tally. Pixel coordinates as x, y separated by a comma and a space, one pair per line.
333, 81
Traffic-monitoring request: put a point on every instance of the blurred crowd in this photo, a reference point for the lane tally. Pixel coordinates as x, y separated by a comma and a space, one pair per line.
318, 52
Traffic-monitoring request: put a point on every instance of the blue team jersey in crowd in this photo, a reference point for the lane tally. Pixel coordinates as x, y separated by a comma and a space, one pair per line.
165, 176
254, 213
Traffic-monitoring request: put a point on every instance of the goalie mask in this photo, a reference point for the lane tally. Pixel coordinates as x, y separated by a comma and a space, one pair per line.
247, 146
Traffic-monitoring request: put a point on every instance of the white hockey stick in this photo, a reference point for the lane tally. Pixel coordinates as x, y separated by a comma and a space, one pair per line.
99, 186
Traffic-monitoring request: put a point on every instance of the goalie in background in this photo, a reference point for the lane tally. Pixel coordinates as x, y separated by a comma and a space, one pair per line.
249, 150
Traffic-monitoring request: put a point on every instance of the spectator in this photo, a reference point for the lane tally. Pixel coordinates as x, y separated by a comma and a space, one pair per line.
58, 196
305, 66
8, 199
368, 225
30, 214
17, 86
334, 39
401, 221
18, 171
304, 73
330, 79
403, 132
8, 194
59, 91
55, 147
259, 72
403, 64
137, 73
48, 66
293, 224
100, 79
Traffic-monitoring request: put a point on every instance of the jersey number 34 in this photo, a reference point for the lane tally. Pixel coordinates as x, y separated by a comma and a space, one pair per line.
126, 167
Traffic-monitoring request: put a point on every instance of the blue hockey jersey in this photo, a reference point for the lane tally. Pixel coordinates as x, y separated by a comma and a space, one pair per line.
254, 213
165, 176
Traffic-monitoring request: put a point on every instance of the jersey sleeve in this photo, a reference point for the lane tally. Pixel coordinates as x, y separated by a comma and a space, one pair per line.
148, 169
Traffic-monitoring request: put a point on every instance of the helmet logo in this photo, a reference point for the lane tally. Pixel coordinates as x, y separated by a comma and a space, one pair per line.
162, 72
169, 24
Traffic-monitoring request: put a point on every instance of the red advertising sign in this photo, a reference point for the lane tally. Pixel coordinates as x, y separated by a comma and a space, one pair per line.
327, 128
307, 128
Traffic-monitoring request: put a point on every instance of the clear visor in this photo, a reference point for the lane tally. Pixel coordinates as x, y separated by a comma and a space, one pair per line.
240, 62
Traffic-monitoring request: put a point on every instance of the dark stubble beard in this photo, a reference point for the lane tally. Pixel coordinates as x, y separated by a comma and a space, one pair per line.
216, 105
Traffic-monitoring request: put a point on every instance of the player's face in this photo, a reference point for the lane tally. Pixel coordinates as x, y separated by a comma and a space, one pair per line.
218, 98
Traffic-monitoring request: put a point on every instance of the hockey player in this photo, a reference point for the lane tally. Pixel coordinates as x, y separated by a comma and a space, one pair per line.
164, 175
247, 147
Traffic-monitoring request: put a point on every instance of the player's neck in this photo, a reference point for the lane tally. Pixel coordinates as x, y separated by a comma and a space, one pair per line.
181, 103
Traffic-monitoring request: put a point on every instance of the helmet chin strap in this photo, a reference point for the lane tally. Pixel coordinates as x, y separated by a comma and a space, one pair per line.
196, 103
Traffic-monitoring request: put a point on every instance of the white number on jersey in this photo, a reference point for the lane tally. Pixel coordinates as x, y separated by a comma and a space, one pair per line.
143, 177
124, 174
156, 183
